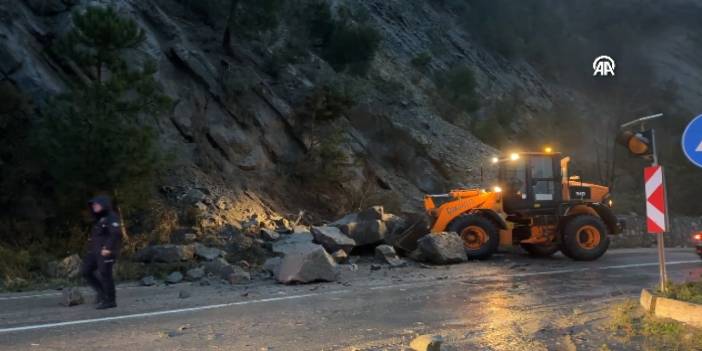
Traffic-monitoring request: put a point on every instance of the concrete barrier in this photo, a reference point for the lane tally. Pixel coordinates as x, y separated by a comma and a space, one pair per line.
686, 312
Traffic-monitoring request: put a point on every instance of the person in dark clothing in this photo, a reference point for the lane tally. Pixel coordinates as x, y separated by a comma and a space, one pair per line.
103, 249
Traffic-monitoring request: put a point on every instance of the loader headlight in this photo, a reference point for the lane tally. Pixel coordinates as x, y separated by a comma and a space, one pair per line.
607, 200
514, 156
497, 189
610, 203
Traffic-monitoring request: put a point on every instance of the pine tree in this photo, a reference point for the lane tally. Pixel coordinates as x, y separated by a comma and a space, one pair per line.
100, 136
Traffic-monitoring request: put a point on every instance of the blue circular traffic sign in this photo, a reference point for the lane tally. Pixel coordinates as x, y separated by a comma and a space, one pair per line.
692, 141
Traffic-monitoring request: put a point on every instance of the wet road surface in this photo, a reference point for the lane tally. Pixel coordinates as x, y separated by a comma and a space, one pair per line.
510, 302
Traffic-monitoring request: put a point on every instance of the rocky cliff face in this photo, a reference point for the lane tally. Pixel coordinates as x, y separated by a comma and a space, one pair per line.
235, 146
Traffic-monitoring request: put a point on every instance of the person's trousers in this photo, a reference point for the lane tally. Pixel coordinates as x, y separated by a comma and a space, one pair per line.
97, 271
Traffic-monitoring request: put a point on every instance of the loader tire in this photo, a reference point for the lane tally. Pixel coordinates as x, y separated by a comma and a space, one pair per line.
545, 250
584, 238
480, 236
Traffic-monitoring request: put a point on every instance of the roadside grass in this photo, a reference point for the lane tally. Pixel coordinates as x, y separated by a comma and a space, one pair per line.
688, 292
630, 324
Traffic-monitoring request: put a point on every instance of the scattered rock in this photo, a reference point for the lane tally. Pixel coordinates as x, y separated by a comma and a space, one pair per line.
332, 239
183, 294
194, 196
269, 235
371, 214
427, 343
375, 267
195, 273
68, 267
71, 297
340, 256
48, 7
174, 278
368, 232
238, 275
168, 253
442, 248
217, 267
272, 265
148, 281
305, 264
207, 253
387, 254
189, 237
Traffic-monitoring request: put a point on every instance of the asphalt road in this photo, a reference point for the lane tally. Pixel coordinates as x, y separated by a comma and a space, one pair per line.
511, 302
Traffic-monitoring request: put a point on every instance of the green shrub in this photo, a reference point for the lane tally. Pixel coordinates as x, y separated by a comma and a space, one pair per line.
457, 86
422, 60
352, 47
101, 136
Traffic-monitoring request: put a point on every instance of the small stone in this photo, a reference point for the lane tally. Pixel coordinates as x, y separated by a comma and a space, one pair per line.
371, 214
238, 276
183, 294
174, 278
387, 254
427, 343
148, 281
375, 267
207, 253
195, 273
269, 234
189, 237
340, 256
71, 297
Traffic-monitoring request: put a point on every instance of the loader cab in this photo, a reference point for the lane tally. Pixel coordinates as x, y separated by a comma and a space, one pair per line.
531, 182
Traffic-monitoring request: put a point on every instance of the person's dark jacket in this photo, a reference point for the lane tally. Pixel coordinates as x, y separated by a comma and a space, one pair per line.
106, 232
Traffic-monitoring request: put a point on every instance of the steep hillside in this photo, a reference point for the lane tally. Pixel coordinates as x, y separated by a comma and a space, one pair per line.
270, 121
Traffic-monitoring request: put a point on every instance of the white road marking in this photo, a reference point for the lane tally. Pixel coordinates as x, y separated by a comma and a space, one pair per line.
293, 297
161, 313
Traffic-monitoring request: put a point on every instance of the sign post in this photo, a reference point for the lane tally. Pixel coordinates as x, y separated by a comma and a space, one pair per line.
656, 214
643, 144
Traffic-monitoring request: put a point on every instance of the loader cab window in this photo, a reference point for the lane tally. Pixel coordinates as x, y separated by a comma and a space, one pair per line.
513, 180
544, 184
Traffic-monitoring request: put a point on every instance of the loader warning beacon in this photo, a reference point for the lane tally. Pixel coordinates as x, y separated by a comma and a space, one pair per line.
692, 141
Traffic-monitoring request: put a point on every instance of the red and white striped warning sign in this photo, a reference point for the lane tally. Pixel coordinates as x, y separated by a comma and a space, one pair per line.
655, 200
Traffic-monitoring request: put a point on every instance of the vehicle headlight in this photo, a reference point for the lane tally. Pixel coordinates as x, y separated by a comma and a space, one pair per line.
608, 201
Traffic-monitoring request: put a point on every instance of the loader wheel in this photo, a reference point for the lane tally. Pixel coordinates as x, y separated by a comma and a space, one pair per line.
479, 234
584, 238
543, 250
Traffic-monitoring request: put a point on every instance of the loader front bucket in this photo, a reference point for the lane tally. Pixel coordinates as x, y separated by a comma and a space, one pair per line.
419, 227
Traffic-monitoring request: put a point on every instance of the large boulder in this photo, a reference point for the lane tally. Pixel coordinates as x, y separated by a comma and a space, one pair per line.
442, 248
68, 267
272, 265
368, 232
306, 264
332, 239
168, 253
366, 227
293, 241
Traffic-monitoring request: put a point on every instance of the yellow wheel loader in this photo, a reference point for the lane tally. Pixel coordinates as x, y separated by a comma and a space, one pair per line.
536, 204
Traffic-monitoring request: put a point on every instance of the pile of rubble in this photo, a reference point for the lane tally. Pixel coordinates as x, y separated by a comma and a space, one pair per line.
300, 254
